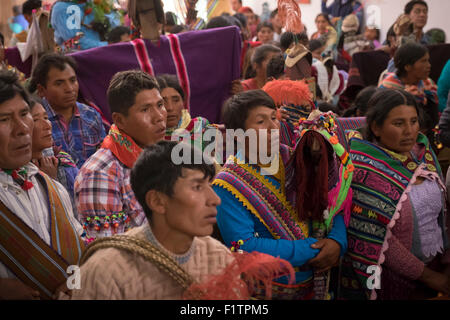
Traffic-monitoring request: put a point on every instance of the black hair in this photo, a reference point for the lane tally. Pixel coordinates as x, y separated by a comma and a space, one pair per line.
2, 39
315, 44
242, 19
45, 63
436, 35
170, 81
361, 102
410, 5
10, 87
275, 67
218, 22
236, 109
326, 106
408, 54
287, 38
125, 86
265, 24
273, 13
325, 16
115, 34
381, 103
30, 5
171, 18
34, 100
261, 53
155, 170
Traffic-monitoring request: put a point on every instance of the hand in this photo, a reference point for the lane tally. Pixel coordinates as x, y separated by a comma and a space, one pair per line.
49, 165
435, 280
236, 87
14, 289
328, 256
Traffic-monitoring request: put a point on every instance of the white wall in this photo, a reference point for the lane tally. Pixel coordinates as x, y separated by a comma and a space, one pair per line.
438, 16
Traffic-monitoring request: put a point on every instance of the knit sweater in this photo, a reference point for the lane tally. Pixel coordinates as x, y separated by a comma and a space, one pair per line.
115, 274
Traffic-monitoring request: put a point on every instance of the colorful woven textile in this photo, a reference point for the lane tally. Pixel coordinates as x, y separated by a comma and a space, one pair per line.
36, 264
345, 124
262, 199
379, 182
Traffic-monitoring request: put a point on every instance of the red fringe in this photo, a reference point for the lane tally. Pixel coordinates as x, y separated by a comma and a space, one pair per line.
290, 15
27, 185
240, 278
312, 184
289, 92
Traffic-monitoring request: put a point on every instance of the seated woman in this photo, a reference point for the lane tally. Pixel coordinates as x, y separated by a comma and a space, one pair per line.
259, 60
397, 226
257, 213
56, 163
322, 23
179, 121
412, 61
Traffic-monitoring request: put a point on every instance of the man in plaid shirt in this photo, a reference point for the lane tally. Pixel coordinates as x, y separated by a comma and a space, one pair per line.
105, 201
76, 127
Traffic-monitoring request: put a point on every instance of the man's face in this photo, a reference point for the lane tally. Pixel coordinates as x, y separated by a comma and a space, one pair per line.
191, 210
276, 22
146, 119
16, 130
419, 16
235, 5
61, 89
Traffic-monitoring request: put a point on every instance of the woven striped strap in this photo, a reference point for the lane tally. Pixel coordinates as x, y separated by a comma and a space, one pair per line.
23, 252
146, 250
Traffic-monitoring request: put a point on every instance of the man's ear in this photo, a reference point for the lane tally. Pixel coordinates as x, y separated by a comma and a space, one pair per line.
119, 120
41, 90
156, 201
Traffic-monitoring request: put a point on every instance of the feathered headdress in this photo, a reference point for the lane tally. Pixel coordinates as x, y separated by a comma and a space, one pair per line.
290, 15
287, 92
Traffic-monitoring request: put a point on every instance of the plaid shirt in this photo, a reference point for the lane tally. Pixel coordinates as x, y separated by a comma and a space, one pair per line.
105, 201
81, 136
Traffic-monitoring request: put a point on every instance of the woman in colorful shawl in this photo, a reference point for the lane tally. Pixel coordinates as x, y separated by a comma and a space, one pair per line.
412, 61
256, 213
56, 163
179, 120
397, 238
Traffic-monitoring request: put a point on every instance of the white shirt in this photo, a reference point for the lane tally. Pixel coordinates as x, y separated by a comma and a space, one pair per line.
31, 206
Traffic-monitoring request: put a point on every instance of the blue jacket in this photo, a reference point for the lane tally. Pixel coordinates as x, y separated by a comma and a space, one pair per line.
444, 86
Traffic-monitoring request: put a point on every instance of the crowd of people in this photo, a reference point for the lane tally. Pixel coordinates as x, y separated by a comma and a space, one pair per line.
359, 186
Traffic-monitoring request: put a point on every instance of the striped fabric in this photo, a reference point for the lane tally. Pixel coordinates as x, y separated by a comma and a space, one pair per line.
345, 124
32, 208
105, 201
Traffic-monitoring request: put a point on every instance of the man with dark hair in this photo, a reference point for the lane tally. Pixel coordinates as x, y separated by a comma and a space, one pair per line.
236, 5
418, 13
105, 201
76, 127
119, 34
39, 236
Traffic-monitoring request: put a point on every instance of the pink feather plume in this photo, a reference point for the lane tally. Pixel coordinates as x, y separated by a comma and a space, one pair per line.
290, 15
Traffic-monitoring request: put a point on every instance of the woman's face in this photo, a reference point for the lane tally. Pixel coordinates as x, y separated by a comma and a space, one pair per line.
262, 68
399, 130
262, 120
174, 105
370, 34
420, 70
251, 19
321, 24
42, 130
265, 34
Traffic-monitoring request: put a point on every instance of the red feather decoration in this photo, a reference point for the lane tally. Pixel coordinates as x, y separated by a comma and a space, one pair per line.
290, 15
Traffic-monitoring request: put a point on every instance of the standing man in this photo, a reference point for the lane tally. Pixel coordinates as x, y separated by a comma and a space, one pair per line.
418, 13
39, 236
76, 127
105, 201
